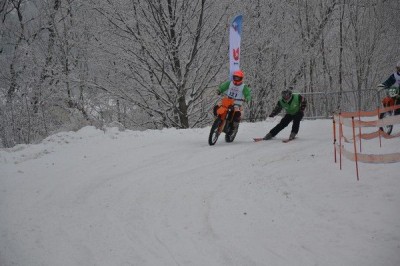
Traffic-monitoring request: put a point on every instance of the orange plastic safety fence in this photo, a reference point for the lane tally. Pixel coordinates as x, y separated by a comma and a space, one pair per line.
390, 120
353, 120
370, 158
369, 113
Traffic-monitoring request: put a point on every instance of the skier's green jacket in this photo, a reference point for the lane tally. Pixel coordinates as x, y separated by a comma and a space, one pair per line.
296, 104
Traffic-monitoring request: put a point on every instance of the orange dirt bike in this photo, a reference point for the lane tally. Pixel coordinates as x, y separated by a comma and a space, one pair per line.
391, 99
224, 121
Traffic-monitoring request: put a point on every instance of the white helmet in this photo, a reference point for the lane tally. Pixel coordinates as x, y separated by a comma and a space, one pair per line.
393, 92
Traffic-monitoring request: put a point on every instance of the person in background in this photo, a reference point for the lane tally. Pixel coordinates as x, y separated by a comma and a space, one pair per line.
294, 104
392, 85
236, 90
393, 80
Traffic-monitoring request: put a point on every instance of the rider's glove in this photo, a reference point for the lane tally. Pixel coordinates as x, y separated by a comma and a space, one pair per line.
271, 115
218, 92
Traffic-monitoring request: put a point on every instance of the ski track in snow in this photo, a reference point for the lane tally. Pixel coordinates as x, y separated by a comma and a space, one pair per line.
165, 197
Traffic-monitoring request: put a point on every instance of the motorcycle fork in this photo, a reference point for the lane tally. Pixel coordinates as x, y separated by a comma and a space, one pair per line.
223, 122
226, 118
229, 118
221, 126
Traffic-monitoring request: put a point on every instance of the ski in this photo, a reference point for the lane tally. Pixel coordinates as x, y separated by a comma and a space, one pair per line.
287, 140
260, 139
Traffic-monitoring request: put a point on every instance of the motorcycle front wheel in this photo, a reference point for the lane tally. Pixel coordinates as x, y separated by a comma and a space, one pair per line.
230, 136
214, 132
388, 128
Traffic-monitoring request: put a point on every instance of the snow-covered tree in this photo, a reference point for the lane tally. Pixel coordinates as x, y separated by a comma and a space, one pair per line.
163, 56
156, 63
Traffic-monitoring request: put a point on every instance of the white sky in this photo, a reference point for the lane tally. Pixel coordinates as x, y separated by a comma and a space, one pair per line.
166, 197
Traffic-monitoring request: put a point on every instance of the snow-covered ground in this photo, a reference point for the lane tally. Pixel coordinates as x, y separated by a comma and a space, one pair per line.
166, 197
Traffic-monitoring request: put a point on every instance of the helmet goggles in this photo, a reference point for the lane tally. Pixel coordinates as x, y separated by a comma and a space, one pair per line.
237, 78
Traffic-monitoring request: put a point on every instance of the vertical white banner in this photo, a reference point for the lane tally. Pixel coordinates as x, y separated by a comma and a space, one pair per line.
235, 32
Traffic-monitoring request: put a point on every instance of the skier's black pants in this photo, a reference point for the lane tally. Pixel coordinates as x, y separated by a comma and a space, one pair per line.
296, 118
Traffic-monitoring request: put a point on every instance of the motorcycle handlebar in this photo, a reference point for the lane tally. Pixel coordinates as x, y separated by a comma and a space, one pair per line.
241, 100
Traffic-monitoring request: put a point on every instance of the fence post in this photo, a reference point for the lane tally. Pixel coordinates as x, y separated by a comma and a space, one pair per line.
355, 146
334, 136
340, 140
379, 130
359, 128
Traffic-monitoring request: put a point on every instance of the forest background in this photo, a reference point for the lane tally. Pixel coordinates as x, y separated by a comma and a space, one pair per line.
152, 64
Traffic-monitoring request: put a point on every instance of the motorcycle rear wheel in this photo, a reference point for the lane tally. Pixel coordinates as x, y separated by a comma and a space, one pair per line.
388, 128
214, 132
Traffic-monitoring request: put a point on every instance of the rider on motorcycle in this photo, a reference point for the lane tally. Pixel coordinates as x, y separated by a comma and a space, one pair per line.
237, 90
392, 85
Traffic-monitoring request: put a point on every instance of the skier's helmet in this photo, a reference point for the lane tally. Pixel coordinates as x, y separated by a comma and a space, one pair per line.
287, 95
237, 77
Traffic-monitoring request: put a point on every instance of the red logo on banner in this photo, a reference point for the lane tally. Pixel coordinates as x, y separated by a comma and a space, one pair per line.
236, 53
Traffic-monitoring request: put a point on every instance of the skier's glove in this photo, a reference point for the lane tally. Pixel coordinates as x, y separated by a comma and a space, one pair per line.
271, 115
218, 92
380, 87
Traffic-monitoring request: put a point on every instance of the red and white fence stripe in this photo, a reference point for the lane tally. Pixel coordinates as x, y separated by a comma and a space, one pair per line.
354, 120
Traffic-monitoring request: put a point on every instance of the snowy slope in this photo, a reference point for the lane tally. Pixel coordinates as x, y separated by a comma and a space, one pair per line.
168, 198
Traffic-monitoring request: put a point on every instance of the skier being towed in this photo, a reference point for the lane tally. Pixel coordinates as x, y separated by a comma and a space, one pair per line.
294, 105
